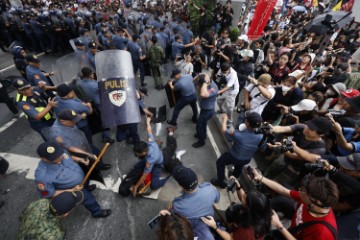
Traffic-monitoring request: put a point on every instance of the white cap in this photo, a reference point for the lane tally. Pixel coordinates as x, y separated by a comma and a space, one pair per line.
243, 37
247, 53
304, 105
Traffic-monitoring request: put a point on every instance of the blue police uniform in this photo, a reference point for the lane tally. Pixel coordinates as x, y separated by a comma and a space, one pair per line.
136, 52
207, 109
50, 177
153, 163
91, 58
79, 107
39, 33
188, 34
35, 75
176, 48
119, 42
31, 106
91, 90
185, 86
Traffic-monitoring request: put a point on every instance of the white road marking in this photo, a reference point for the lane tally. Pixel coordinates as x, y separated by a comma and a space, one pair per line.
11, 122
11, 66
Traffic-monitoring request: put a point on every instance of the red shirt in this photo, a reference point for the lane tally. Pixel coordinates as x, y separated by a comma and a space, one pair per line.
245, 234
316, 231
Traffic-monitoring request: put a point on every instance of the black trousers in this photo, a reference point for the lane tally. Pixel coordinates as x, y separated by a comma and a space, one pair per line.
4, 98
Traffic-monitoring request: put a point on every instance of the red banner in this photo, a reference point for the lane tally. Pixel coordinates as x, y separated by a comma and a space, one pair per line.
261, 16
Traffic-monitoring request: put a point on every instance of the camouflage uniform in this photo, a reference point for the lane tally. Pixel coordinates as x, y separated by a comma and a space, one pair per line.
37, 223
156, 56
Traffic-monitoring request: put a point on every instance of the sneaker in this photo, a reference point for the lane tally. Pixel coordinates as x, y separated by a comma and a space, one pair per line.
171, 123
198, 144
217, 183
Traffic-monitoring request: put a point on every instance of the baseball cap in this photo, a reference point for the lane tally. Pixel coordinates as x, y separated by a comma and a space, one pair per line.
65, 202
21, 83
351, 92
63, 89
186, 177
254, 119
175, 72
351, 162
243, 37
32, 58
339, 87
247, 53
82, 31
69, 115
92, 45
354, 103
321, 124
49, 151
135, 37
304, 105
78, 43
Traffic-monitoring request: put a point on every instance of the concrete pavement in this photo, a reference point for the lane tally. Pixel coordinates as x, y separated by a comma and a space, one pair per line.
130, 216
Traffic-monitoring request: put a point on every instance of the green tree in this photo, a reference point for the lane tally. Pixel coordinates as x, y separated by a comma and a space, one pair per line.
195, 15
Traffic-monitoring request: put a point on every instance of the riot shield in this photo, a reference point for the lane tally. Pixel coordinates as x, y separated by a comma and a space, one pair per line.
72, 137
119, 104
69, 67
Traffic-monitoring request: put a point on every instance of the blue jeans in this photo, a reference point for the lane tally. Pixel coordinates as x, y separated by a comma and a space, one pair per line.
90, 203
138, 65
156, 182
181, 103
228, 159
205, 115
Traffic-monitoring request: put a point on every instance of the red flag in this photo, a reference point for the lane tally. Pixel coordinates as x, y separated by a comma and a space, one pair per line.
261, 16
347, 5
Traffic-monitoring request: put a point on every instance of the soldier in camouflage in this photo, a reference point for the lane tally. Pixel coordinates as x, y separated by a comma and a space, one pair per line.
156, 57
41, 219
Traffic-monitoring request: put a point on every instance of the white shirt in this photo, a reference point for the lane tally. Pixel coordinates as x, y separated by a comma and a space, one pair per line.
258, 101
232, 82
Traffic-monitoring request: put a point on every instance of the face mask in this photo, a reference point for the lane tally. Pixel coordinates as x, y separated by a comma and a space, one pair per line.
285, 88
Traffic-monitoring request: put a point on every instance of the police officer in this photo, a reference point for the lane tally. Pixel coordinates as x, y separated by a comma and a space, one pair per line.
184, 85
152, 159
80, 46
20, 60
156, 57
90, 54
65, 132
35, 104
137, 57
34, 74
33, 224
57, 173
208, 91
89, 87
66, 100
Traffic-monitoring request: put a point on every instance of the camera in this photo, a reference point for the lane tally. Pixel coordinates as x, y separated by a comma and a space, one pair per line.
231, 185
263, 129
337, 113
312, 167
285, 146
220, 81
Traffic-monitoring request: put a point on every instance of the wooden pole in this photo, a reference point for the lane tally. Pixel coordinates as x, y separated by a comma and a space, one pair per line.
94, 165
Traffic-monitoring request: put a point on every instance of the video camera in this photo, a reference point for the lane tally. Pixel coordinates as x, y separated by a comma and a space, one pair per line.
220, 80
284, 147
264, 128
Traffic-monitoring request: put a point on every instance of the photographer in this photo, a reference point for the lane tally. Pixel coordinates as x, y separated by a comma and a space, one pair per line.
256, 95
221, 53
286, 95
244, 66
174, 226
250, 220
207, 94
289, 168
245, 143
313, 215
199, 61
347, 139
229, 91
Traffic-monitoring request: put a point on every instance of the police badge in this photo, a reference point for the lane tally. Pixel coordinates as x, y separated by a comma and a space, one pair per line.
117, 97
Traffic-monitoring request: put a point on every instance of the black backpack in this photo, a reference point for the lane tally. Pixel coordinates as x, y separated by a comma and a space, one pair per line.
131, 178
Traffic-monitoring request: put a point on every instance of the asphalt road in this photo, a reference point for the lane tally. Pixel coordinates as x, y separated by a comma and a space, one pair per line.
129, 216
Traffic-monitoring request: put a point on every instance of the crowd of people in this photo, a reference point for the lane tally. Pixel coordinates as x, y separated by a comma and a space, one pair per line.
288, 101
